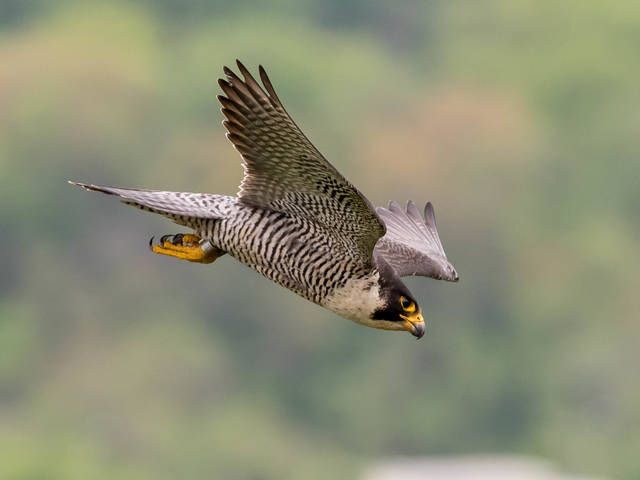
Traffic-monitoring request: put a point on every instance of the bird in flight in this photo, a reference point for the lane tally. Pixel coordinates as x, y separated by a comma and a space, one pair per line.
298, 221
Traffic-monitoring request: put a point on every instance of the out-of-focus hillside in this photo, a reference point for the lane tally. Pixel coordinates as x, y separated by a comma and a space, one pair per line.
519, 120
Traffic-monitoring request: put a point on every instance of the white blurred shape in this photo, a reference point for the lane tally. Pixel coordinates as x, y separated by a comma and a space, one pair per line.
497, 467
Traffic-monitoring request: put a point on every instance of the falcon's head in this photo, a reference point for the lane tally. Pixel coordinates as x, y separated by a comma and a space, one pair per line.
398, 309
379, 300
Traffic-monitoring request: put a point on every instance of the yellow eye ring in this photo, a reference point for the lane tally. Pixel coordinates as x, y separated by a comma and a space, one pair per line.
407, 305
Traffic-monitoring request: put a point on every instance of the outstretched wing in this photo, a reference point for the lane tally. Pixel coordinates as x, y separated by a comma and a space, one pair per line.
181, 207
412, 245
283, 171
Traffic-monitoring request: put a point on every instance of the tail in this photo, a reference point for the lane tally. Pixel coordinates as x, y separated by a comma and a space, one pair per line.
181, 207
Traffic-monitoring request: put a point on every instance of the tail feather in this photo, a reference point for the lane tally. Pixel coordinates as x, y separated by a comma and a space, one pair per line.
179, 206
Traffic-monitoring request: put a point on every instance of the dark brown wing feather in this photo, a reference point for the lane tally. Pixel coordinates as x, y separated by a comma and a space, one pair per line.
284, 171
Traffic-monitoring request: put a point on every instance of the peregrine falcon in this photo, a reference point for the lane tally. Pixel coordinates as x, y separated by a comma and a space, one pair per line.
298, 221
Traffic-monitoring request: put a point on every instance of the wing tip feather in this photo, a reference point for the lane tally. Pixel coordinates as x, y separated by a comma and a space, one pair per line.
90, 187
430, 213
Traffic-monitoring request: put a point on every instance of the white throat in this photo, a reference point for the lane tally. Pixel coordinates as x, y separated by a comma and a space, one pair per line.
357, 300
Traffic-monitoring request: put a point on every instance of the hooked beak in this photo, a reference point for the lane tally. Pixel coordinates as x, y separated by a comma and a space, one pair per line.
414, 324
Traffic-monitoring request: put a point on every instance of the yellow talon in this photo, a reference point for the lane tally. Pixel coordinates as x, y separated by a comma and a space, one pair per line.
188, 247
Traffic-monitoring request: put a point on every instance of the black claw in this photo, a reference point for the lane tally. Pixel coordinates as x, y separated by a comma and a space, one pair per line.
177, 239
164, 238
151, 243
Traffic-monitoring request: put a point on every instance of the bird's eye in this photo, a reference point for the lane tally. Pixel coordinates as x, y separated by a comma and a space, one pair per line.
407, 305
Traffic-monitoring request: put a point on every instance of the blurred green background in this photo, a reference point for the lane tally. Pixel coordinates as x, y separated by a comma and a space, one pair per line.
519, 119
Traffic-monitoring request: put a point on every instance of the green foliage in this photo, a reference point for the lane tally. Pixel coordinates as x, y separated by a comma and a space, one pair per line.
518, 119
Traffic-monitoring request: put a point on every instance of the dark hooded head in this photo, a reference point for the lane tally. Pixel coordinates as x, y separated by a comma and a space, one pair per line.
398, 309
